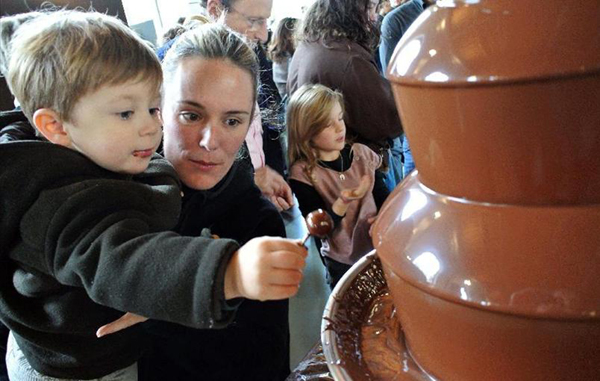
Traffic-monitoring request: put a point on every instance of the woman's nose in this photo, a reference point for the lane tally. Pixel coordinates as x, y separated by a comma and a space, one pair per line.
207, 138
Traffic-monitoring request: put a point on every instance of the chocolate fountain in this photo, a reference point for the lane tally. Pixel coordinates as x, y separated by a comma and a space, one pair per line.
491, 250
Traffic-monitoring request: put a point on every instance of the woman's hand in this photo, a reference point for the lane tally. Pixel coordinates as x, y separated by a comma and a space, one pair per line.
123, 322
265, 268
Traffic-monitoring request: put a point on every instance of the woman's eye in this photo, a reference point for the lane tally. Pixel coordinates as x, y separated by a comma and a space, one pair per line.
232, 122
189, 117
125, 115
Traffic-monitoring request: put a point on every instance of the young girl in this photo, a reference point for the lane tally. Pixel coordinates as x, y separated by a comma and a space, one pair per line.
327, 173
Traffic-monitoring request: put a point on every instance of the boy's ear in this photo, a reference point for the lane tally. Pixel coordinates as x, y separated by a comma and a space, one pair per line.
50, 124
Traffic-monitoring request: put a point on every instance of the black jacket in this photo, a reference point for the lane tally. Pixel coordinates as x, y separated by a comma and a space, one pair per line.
79, 244
255, 346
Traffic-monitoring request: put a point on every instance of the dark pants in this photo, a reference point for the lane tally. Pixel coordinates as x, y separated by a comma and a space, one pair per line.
335, 271
3, 338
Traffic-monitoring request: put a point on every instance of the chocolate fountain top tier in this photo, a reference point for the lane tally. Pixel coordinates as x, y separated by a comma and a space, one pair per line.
499, 100
494, 41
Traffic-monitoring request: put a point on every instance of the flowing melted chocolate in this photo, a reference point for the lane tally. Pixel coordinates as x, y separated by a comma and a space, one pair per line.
369, 337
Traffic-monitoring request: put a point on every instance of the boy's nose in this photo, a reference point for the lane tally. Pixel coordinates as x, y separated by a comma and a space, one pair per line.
151, 126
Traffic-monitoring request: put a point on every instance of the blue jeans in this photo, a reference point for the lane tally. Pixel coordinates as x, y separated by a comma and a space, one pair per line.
394, 174
19, 368
409, 163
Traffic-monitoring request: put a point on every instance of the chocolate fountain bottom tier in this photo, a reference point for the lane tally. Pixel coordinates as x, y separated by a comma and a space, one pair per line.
452, 341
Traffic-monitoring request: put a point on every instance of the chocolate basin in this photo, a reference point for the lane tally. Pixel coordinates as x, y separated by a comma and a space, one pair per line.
493, 291
499, 99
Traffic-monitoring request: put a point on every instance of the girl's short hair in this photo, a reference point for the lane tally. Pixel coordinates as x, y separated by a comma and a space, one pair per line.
307, 115
67, 54
212, 41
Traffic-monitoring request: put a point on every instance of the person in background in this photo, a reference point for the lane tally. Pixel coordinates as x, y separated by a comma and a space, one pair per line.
326, 173
281, 49
249, 17
336, 49
170, 36
393, 28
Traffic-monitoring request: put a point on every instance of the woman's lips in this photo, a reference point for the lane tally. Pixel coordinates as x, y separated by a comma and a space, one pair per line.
204, 165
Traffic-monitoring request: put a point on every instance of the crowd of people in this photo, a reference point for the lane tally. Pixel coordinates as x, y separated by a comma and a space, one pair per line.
144, 190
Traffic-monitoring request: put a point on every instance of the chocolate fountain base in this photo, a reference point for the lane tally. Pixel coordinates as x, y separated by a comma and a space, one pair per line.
361, 337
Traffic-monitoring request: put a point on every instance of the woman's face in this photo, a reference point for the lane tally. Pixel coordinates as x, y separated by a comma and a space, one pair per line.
206, 112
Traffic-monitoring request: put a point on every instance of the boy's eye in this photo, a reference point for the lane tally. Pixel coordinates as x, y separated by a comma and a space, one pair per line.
125, 115
189, 117
155, 111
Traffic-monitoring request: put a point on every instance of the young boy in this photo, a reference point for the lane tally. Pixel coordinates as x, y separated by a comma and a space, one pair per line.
85, 215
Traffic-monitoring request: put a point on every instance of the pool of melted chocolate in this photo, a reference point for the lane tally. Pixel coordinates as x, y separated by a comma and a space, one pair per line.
362, 339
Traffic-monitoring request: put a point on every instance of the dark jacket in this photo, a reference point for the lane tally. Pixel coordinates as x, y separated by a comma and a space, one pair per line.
271, 108
394, 26
370, 111
256, 345
79, 243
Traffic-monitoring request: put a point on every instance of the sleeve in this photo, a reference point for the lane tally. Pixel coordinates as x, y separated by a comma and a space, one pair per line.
390, 35
370, 108
310, 200
106, 240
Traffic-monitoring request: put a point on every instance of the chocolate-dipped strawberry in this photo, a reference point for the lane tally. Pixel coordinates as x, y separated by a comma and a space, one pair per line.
319, 224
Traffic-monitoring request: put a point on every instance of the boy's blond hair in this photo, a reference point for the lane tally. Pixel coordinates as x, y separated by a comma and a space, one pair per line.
65, 55
307, 115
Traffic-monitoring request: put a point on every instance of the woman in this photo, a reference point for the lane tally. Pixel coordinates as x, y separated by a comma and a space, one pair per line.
336, 45
209, 92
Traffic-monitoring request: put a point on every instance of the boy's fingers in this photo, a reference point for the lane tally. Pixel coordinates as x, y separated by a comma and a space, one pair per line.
287, 260
123, 322
288, 278
282, 292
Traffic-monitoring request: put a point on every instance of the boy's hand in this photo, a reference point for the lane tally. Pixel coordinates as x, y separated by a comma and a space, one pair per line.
265, 268
123, 322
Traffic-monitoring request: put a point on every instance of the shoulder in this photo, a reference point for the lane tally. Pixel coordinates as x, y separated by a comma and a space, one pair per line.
298, 172
367, 154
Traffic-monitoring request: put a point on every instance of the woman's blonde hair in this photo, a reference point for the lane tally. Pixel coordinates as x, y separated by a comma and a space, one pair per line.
307, 115
62, 56
213, 41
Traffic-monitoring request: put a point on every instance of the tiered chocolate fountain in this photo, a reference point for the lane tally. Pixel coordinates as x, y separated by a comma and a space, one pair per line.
491, 251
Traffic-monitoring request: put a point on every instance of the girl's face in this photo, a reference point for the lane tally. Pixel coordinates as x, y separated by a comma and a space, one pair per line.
206, 112
330, 141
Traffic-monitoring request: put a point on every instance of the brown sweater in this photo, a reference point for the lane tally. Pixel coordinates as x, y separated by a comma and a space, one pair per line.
370, 111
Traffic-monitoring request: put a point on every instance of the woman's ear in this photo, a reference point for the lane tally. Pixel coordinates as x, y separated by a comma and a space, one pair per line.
50, 124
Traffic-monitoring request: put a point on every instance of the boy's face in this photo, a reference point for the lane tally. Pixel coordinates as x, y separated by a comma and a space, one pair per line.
118, 127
